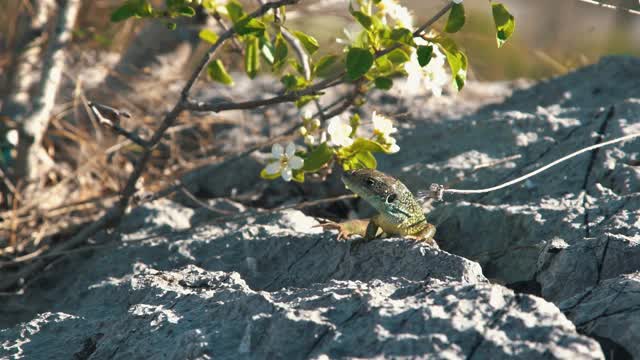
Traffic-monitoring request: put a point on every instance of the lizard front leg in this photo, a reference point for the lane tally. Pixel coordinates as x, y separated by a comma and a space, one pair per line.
425, 235
367, 229
348, 228
372, 231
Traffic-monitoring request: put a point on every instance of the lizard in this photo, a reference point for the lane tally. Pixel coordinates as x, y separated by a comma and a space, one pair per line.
399, 213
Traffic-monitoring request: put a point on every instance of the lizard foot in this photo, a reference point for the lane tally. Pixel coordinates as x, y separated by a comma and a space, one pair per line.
429, 241
346, 229
343, 234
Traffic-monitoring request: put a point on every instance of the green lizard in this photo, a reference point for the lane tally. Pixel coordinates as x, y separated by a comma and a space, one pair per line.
399, 212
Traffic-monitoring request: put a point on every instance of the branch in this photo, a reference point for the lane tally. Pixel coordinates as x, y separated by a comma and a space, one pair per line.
226, 35
110, 117
299, 50
25, 65
33, 127
114, 214
311, 90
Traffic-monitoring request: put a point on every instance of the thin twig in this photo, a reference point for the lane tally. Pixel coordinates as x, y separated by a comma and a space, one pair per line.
612, 7
203, 204
439, 190
299, 50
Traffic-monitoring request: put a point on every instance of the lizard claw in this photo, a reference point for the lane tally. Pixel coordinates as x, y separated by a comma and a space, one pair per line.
343, 234
429, 241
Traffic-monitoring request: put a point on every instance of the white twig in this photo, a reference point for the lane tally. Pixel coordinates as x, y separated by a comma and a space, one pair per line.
437, 190
612, 7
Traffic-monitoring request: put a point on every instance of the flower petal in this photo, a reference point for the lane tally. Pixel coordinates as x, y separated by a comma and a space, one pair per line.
296, 162
291, 150
286, 174
273, 168
276, 151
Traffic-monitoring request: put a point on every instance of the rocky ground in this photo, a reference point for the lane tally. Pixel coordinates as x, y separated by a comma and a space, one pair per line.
545, 269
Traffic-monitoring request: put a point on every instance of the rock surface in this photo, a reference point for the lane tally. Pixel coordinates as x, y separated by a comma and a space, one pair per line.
611, 313
565, 230
276, 287
177, 282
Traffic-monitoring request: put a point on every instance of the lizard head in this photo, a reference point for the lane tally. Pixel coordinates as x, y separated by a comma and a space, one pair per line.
387, 194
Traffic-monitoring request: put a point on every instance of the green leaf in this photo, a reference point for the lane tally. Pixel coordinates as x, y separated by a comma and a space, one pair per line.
251, 59
402, 35
186, 11
264, 175
171, 25
362, 144
209, 4
424, 54
304, 100
359, 61
208, 36
324, 64
383, 65
248, 25
504, 21
144, 8
456, 58
266, 49
383, 83
398, 56
235, 11
218, 73
362, 18
281, 50
289, 81
456, 19
123, 12
361, 160
317, 158
298, 176
292, 82
308, 41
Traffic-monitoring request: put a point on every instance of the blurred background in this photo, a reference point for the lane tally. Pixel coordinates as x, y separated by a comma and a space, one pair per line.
551, 38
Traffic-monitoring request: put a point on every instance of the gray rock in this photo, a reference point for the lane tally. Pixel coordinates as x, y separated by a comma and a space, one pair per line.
587, 204
177, 282
510, 232
609, 312
391, 298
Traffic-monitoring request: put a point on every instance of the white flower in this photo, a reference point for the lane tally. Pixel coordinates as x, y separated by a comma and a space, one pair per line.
349, 37
310, 130
393, 147
457, 1
12, 137
286, 161
432, 77
383, 128
382, 125
339, 131
310, 140
396, 12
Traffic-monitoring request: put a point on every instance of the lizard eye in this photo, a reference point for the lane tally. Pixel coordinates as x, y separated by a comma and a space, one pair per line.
370, 182
391, 198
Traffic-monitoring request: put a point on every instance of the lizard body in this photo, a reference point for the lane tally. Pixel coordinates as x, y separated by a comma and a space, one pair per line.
398, 211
